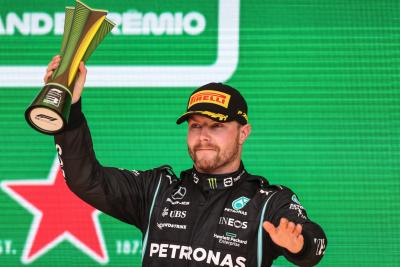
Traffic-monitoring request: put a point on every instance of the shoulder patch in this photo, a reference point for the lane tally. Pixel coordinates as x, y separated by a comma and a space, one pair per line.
169, 173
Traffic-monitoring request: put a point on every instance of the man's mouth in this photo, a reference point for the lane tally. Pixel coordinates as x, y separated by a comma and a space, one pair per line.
205, 149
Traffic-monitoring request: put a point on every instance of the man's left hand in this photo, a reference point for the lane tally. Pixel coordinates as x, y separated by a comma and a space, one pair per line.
287, 235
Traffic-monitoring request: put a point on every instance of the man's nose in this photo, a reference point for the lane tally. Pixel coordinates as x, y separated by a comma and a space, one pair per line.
204, 134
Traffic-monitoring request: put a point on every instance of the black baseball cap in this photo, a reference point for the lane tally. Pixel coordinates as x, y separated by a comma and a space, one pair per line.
217, 101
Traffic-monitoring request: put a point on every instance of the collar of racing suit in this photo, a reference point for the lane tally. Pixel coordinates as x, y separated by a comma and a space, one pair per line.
218, 181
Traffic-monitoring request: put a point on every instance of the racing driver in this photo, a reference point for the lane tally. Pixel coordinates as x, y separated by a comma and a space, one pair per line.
215, 213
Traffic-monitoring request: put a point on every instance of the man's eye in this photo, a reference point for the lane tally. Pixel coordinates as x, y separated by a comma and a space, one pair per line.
217, 125
194, 126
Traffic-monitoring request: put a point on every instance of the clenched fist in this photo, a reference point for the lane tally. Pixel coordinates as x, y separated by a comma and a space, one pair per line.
80, 79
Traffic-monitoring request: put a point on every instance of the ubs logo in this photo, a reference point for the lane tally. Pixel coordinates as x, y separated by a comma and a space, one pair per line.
174, 213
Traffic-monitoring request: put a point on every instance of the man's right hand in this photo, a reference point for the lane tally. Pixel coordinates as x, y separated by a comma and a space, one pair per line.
80, 79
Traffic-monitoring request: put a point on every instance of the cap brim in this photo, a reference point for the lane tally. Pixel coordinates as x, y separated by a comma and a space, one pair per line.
214, 116
183, 117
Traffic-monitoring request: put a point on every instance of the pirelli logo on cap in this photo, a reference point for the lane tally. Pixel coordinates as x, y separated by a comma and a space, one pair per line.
210, 96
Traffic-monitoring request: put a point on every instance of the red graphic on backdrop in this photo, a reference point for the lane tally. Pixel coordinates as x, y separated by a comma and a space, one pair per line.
58, 215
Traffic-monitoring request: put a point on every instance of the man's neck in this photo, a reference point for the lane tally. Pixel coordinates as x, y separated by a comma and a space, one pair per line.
230, 168
213, 181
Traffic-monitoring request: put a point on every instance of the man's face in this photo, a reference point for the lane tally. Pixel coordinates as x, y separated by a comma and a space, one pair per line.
214, 146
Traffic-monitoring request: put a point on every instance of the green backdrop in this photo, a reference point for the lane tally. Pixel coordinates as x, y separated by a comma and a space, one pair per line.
321, 79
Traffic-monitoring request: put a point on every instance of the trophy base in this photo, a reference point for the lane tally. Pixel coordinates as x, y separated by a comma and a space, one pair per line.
49, 111
45, 120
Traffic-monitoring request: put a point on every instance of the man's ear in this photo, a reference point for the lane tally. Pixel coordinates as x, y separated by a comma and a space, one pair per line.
244, 132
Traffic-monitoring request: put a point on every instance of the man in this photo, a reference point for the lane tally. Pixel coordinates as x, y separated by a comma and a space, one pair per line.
217, 213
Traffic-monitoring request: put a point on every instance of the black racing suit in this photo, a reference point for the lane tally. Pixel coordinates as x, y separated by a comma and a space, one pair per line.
195, 220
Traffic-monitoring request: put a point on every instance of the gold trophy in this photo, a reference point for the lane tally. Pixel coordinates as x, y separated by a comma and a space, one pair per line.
84, 29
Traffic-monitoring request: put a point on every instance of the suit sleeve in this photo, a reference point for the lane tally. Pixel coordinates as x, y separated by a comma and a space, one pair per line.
285, 204
123, 194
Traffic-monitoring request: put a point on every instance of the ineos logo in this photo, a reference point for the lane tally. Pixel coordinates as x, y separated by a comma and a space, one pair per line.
233, 222
179, 194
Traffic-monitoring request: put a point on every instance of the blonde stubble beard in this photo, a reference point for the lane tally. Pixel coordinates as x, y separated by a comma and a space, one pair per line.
218, 161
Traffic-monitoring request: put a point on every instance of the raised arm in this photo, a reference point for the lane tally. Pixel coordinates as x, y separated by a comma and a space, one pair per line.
123, 194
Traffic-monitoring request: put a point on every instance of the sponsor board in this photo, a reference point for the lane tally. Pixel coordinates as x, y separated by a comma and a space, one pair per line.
127, 23
133, 23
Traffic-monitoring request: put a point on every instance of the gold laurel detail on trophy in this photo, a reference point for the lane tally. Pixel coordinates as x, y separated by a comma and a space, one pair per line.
82, 49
